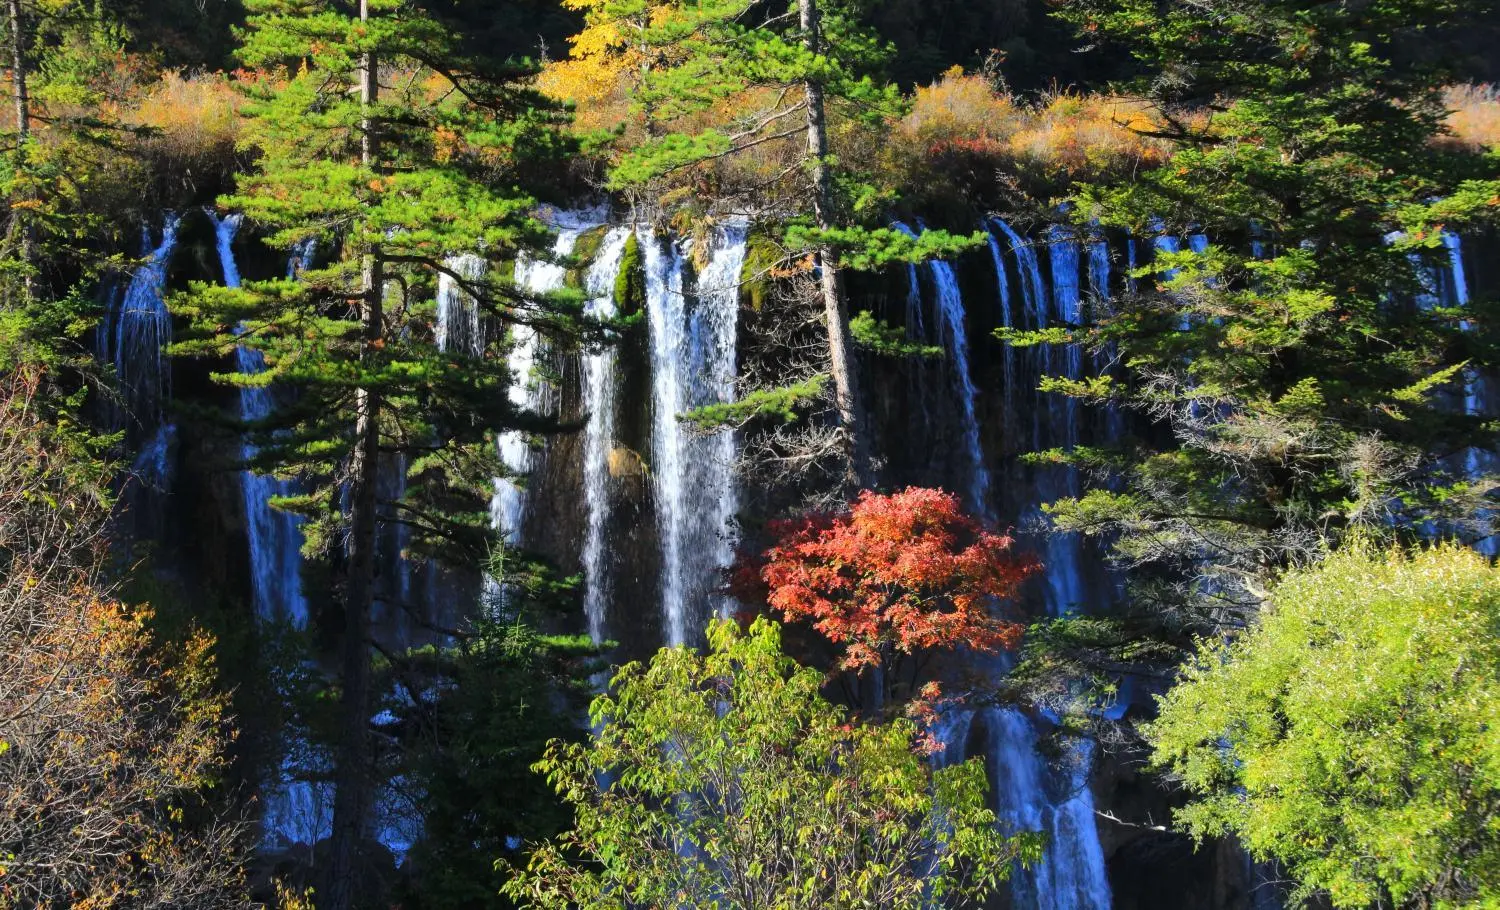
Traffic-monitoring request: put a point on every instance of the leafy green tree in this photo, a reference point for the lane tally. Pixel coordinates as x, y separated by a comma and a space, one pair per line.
62, 167
1351, 734
727, 780
383, 138
1302, 376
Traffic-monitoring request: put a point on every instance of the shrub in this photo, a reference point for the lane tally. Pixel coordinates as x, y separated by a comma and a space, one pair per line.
1474, 115
191, 118
1352, 735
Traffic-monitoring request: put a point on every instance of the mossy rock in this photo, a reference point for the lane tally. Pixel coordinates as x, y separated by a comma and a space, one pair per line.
503, 272
761, 255
585, 249
630, 283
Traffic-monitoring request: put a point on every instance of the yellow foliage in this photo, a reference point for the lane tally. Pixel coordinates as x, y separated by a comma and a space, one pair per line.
1066, 133
194, 117
1474, 115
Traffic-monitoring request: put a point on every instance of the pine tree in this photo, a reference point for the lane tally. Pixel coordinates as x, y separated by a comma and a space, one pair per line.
386, 141
1307, 376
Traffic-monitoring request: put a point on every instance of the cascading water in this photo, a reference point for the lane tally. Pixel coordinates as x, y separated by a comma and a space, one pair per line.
1007, 320
538, 276
599, 377
295, 810
1031, 796
1033, 293
955, 340
1064, 557
274, 536
134, 335
693, 364
458, 325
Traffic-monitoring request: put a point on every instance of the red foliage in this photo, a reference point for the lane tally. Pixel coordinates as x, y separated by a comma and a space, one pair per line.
895, 575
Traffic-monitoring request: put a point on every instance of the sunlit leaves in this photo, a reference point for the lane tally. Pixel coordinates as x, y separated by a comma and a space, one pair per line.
1351, 735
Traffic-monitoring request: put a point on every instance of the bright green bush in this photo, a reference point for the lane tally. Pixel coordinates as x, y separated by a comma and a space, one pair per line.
1354, 735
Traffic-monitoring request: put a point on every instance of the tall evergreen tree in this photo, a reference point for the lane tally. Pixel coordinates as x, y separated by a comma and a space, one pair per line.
386, 141
1305, 371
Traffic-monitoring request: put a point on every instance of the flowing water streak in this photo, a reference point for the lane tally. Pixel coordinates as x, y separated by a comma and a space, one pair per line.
1034, 296
134, 337
665, 312
1099, 274
1064, 559
713, 366
295, 810
955, 338
458, 325
693, 364
599, 371
1008, 352
274, 536
538, 276
1071, 873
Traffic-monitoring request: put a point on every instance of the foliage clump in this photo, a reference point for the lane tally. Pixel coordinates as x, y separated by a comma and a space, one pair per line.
891, 580
727, 780
1352, 734
111, 739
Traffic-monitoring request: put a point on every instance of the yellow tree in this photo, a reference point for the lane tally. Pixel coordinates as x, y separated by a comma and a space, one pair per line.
109, 740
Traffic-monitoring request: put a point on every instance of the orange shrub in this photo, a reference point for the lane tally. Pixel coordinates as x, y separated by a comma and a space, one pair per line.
195, 116
1474, 115
1064, 135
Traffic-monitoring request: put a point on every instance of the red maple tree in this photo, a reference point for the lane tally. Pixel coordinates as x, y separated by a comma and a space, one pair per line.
896, 576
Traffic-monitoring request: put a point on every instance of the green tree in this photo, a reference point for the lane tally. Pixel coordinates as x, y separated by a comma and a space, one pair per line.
1351, 734
1302, 376
381, 136
490, 706
63, 165
727, 780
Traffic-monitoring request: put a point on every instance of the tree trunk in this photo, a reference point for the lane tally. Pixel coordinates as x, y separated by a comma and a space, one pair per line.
351, 805
18, 74
22, 99
835, 311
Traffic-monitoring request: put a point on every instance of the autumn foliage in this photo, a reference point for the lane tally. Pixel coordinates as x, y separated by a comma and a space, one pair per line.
896, 576
111, 740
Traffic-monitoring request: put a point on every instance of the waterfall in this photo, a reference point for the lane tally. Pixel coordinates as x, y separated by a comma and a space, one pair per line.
133, 336
693, 363
296, 810
1008, 353
955, 338
599, 377
274, 537
1032, 294
1099, 272
458, 326
1071, 873
539, 277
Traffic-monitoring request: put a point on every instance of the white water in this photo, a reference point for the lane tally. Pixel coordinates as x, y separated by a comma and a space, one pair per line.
274, 536
599, 377
693, 364
507, 507
1071, 874
458, 325
955, 340
294, 810
1033, 295
1008, 352
133, 337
